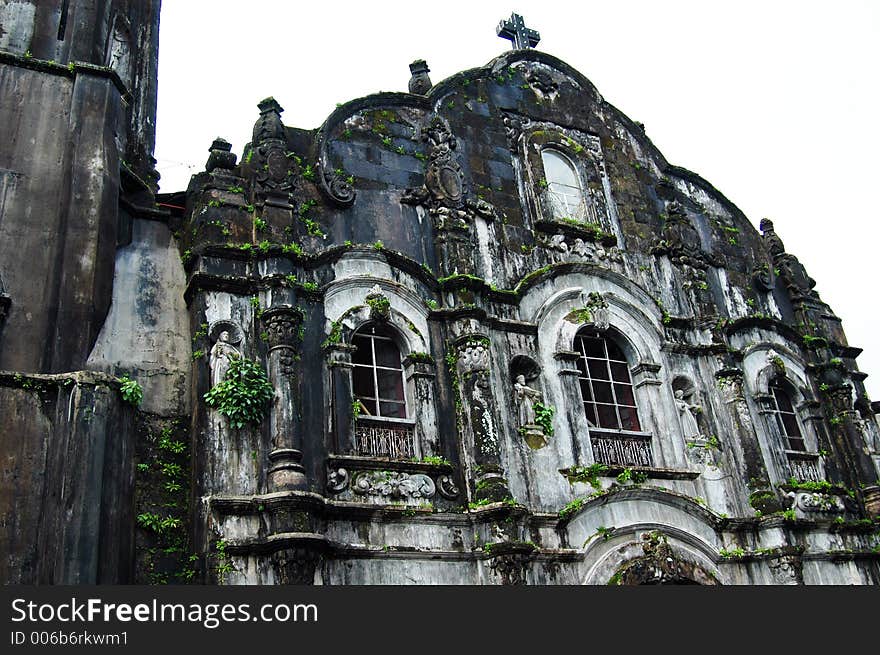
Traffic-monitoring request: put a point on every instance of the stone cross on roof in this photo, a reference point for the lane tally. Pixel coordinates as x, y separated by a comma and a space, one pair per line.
515, 30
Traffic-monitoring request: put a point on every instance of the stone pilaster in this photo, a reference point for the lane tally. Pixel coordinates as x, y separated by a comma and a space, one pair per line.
286, 472
478, 417
341, 394
763, 498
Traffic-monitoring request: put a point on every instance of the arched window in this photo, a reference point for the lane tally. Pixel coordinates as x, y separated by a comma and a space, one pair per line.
606, 386
565, 194
377, 373
786, 419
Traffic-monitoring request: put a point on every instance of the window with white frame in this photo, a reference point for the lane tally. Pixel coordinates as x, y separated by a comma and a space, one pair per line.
564, 191
377, 373
606, 385
785, 416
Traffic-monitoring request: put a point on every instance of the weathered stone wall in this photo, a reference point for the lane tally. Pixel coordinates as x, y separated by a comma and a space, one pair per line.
67, 481
146, 334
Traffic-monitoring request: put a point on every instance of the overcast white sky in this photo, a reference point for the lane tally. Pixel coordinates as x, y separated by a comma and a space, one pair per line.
775, 103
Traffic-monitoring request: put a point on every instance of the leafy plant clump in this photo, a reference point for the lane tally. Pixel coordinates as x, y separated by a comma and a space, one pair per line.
544, 417
131, 391
243, 394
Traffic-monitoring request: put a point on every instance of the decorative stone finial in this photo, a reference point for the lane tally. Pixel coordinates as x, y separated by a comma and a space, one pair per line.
419, 83
515, 30
269, 126
221, 155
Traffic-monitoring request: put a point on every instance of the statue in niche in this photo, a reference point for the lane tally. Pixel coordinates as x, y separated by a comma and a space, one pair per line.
526, 397
687, 413
222, 354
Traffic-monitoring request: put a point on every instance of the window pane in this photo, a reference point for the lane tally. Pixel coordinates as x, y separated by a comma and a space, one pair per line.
390, 384
364, 353
791, 425
369, 406
614, 351
557, 169
629, 419
593, 347
608, 403
590, 410
796, 444
603, 392
624, 395
620, 372
387, 354
607, 417
362, 381
782, 400
598, 369
586, 394
393, 410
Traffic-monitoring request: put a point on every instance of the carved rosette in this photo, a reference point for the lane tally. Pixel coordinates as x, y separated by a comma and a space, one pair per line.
394, 484
447, 487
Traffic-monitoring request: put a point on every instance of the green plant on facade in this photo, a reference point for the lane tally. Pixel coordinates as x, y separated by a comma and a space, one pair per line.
131, 391
544, 417
243, 393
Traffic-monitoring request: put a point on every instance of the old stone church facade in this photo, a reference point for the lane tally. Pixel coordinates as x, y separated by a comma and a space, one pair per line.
479, 332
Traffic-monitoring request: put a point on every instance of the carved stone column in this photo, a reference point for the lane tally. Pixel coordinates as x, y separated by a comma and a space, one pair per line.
762, 497
341, 416
285, 459
478, 416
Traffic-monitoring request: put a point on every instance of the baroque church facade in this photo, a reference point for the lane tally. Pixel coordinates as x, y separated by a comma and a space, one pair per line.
479, 332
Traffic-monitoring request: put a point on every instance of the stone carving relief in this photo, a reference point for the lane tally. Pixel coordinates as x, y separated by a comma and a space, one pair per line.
335, 184
806, 503
786, 569
680, 241
472, 357
380, 306
445, 193
791, 271
393, 484
600, 315
270, 162
337, 480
